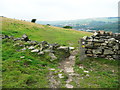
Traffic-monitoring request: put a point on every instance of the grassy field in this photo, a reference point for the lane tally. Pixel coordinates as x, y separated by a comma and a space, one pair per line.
39, 32
16, 73
32, 70
102, 73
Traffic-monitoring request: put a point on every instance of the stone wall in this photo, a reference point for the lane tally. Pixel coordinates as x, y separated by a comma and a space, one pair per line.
102, 44
55, 51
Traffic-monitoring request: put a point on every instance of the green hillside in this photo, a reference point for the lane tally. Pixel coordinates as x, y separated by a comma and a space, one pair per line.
42, 32
16, 73
24, 69
103, 23
81, 21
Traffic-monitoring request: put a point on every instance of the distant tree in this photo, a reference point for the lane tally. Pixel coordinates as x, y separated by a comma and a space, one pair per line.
68, 27
48, 24
33, 20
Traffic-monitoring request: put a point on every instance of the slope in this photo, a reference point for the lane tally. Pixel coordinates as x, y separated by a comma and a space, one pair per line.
42, 32
23, 69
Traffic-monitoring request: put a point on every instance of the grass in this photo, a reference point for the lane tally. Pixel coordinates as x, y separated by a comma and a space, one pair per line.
103, 73
39, 32
32, 70
27, 72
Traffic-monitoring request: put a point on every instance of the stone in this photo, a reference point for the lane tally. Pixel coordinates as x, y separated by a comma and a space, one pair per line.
89, 55
63, 48
97, 51
22, 56
32, 42
44, 42
97, 44
16, 39
71, 48
106, 51
23, 49
53, 57
31, 47
6, 36
61, 70
11, 37
96, 37
90, 40
35, 50
119, 52
88, 51
86, 71
95, 34
73, 74
60, 76
111, 40
2, 36
87, 75
85, 38
107, 33
104, 44
41, 53
117, 57
69, 86
69, 80
102, 56
71, 57
69, 70
25, 38
102, 32
47, 50
116, 47
110, 33
52, 69
81, 67
21, 45
54, 46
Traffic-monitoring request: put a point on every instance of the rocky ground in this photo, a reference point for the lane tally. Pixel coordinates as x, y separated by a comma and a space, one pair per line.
67, 68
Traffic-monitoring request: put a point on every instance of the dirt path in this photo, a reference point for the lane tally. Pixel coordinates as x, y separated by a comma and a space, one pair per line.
54, 83
67, 66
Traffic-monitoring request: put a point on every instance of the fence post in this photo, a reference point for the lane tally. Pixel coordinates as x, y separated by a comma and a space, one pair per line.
82, 49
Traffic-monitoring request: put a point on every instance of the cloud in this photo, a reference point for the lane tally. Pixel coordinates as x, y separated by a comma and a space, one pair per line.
58, 9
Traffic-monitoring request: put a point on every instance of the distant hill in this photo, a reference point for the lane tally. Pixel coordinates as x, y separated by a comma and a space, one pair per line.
103, 23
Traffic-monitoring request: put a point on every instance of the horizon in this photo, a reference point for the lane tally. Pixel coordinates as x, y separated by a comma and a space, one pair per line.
59, 20
58, 10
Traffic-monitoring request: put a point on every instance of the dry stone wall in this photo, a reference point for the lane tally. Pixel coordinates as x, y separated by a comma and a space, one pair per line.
102, 44
55, 51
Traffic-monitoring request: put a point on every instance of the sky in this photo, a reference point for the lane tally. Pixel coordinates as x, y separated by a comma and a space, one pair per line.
53, 10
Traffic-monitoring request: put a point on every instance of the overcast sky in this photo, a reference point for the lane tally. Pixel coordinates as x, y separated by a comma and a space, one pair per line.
52, 10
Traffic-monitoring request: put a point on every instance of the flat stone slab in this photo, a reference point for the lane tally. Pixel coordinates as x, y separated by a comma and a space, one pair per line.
69, 69
71, 57
68, 86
